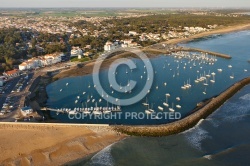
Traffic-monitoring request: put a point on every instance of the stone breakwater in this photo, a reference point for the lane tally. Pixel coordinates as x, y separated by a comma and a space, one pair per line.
187, 122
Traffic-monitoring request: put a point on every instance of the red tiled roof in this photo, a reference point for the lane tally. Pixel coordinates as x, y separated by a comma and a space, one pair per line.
12, 72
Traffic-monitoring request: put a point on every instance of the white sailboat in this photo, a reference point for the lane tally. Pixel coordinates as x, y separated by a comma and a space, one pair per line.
219, 70
160, 108
213, 80
232, 76
146, 103
151, 109
197, 80
189, 84
205, 83
148, 110
128, 83
184, 86
205, 91
125, 90
178, 106
166, 103
172, 109
88, 100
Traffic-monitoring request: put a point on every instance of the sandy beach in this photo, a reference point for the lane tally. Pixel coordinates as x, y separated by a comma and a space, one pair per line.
220, 30
51, 144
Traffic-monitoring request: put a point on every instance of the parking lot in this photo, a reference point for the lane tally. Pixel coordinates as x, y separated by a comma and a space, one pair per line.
11, 94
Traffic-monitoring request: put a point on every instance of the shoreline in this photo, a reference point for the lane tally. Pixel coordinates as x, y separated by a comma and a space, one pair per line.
221, 30
112, 136
88, 67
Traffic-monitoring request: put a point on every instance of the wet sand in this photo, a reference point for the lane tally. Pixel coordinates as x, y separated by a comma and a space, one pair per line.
51, 144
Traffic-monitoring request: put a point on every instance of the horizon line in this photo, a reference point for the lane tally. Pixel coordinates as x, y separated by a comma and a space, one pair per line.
58, 7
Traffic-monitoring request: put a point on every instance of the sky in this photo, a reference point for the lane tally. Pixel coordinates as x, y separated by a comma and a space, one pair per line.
125, 3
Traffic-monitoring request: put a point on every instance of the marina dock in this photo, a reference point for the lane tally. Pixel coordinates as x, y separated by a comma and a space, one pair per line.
206, 52
89, 110
169, 51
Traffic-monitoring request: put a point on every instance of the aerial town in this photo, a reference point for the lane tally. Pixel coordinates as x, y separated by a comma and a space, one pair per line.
102, 82
57, 41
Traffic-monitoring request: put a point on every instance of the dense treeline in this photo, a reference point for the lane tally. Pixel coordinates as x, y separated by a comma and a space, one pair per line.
13, 45
95, 42
164, 23
82, 24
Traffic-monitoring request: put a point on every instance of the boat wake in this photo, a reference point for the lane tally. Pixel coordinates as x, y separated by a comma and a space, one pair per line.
209, 157
231, 111
103, 158
245, 97
195, 136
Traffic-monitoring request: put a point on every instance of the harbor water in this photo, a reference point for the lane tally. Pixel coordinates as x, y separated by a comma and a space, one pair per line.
221, 139
171, 73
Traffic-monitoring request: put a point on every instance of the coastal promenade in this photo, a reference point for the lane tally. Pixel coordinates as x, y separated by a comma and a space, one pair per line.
187, 122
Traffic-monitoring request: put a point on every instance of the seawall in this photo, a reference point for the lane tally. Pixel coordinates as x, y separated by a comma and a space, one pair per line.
187, 122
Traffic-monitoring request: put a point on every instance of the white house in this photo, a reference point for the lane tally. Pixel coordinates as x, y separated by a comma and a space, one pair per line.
53, 58
128, 41
109, 46
26, 111
132, 33
41, 61
75, 51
